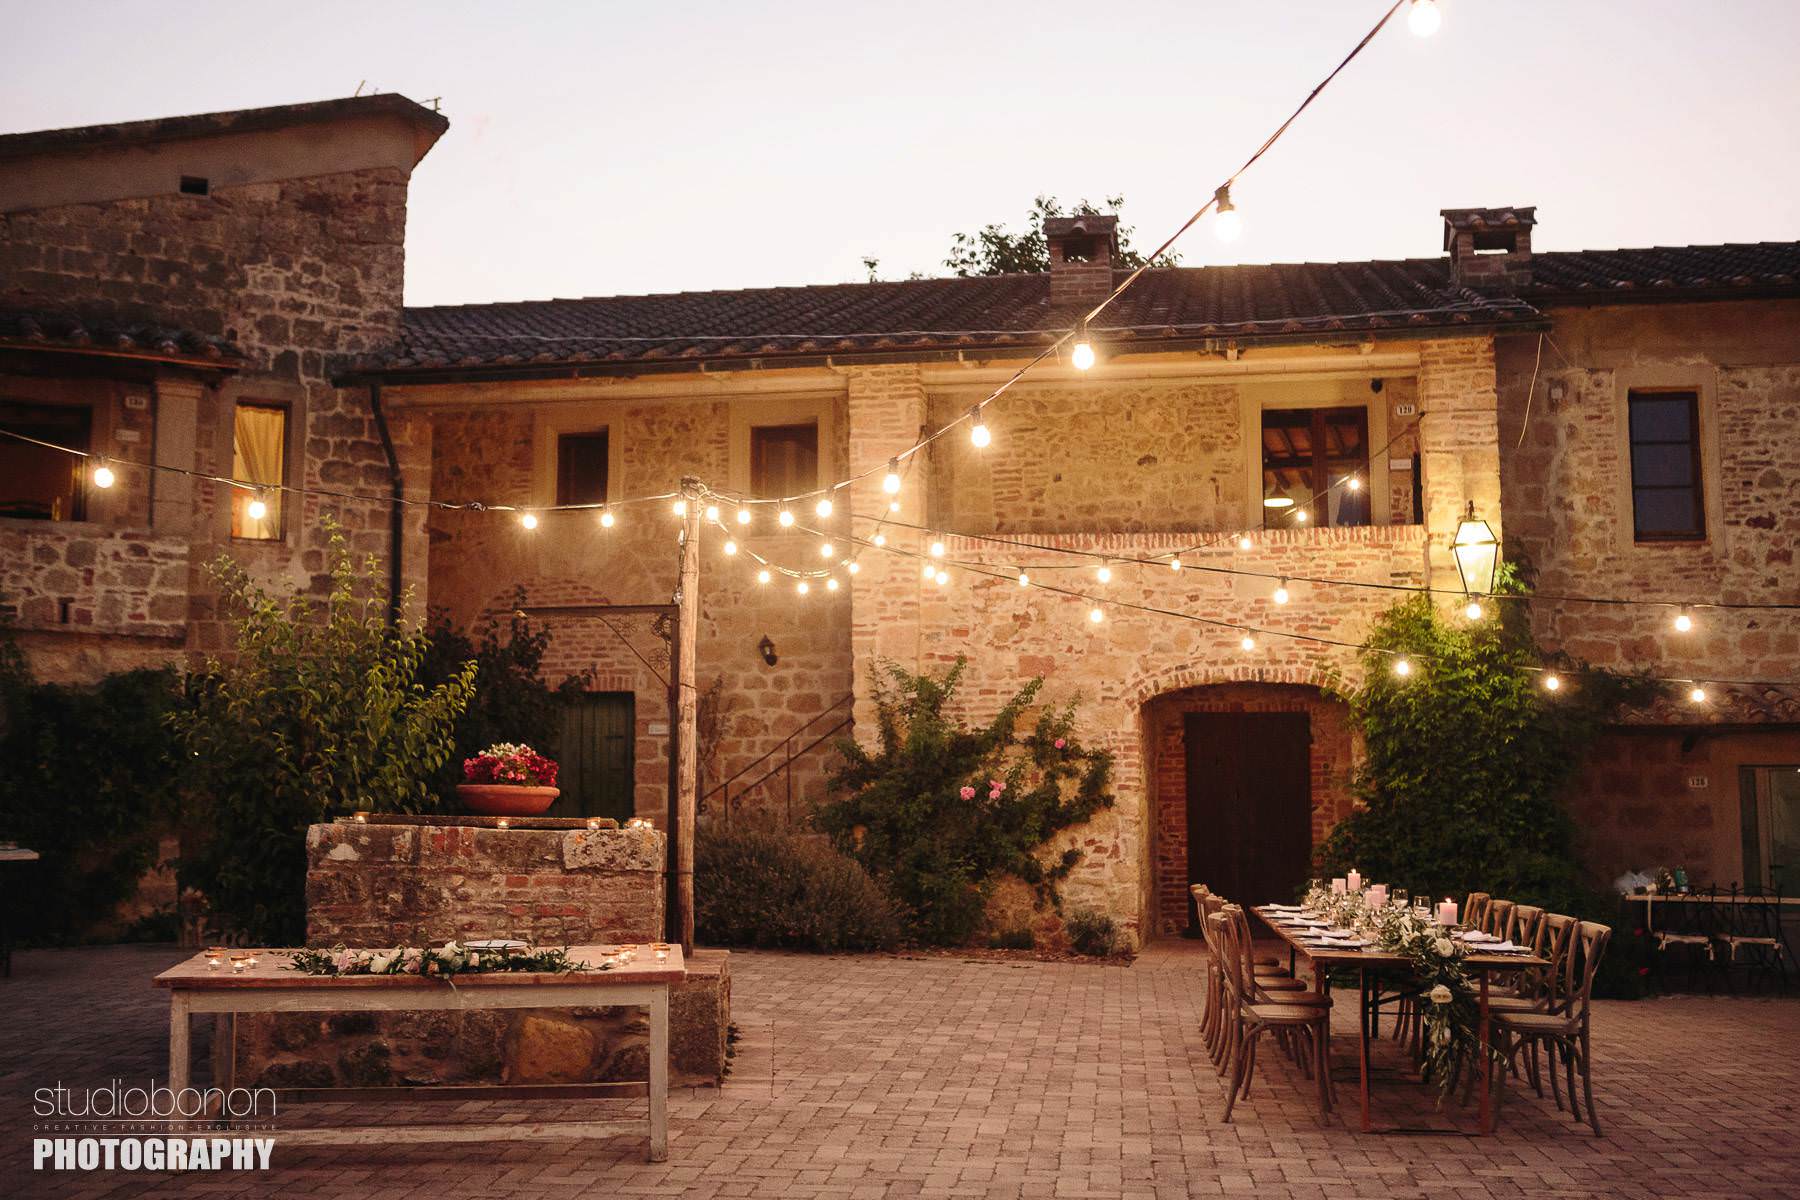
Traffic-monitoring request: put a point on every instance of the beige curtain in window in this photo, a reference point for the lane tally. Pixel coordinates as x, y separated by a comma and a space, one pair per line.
259, 455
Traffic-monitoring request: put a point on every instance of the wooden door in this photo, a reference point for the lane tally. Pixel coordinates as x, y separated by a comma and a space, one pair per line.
597, 774
1249, 804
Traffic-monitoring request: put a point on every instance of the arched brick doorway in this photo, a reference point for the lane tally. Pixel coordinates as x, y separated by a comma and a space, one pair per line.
1245, 779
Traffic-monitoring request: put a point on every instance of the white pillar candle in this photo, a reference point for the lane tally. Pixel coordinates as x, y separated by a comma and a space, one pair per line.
1337, 886
1353, 880
1447, 912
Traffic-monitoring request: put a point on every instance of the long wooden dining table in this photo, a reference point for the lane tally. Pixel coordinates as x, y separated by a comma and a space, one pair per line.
1370, 965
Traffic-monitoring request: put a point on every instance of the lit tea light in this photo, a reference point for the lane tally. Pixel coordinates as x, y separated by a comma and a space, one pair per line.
502, 823
593, 822
239, 962
362, 818
661, 950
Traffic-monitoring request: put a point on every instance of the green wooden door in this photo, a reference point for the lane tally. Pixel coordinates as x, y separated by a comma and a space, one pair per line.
598, 737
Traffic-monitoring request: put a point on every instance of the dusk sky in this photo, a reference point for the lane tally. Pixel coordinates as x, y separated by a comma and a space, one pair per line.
615, 148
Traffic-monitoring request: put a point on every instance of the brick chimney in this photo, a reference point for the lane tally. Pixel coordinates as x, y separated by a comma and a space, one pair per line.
1082, 249
1490, 248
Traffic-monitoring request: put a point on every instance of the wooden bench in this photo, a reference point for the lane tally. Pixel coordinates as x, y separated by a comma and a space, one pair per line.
273, 986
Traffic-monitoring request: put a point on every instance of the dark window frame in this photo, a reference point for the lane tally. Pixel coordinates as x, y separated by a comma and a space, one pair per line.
565, 491
1697, 486
52, 432
1319, 467
758, 485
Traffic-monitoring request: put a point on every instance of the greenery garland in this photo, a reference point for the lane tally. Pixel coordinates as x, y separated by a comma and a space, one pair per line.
442, 962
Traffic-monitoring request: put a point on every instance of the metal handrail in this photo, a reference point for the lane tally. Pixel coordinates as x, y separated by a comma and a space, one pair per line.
784, 747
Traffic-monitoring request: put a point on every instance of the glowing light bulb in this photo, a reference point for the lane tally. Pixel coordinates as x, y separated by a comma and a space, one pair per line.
853, 566
1024, 579
930, 571
831, 585
803, 587
1354, 483
1552, 683
681, 508
1103, 573
1697, 694
1248, 642
937, 549
712, 512
1175, 563
826, 550
1244, 542
893, 506
1402, 667
103, 475
743, 516
762, 577
258, 508
1424, 18
1226, 222
1473, 610
978, 431
1301, 516
528, 520
786, 518
730, 546
890, 482
1081, 356
606, 518
1281, 592
1683, 621
1096, 615
823, 507
879, 539
943, 577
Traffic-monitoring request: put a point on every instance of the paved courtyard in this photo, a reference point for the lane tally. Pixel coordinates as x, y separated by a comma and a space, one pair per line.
885, 1077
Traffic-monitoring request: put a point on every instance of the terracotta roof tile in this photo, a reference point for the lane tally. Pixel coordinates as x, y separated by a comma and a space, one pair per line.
62, 332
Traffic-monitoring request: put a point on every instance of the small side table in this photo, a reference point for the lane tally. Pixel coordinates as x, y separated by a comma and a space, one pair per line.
9, 854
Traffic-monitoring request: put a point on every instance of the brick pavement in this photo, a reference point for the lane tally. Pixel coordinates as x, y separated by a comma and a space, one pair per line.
887, 1077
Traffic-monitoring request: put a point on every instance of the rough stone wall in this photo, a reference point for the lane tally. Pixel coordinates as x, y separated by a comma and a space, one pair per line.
479, 563
370, 885
1333, 752
1120, 458
304, 275
1567, 487
126, 582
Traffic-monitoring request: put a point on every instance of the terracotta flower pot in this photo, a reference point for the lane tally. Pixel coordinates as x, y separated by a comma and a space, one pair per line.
506, 799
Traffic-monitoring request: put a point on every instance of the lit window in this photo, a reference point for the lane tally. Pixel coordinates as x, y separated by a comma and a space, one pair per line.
259, 455
1666, 501
581, 464
784, 460
1308, 456
36, 483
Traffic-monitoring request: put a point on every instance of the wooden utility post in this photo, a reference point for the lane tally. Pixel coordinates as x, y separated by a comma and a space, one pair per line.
684, 804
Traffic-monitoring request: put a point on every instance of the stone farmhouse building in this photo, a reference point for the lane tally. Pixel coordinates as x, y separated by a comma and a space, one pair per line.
222, 293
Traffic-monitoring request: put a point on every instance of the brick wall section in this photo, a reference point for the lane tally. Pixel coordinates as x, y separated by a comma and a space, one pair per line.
1332, 754
305, 275
1459, 446
125, 582
375, 885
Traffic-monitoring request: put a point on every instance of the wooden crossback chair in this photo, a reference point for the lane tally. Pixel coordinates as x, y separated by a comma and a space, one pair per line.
1562, 1027
1250, 1011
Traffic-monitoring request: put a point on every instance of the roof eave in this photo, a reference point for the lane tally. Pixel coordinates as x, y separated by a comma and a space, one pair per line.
194, 362
1210, 344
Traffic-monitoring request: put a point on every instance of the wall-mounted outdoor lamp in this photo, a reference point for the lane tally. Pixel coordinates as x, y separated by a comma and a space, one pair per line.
768, 650
1477, 554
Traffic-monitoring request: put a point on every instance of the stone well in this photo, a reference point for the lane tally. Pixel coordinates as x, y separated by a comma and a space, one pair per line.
426, 880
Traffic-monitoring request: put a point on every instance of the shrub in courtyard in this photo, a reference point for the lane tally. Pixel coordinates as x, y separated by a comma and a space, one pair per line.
1092, 933
319, 712
760, 887
87, 783
939, 810
511, 701
1466, 762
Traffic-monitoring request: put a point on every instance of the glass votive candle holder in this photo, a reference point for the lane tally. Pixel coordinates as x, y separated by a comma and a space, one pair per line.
240, 962
502, 823
593, 822
661, 950
362, 818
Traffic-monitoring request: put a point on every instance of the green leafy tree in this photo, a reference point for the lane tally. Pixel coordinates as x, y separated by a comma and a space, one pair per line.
511, 701
996, 250
923, 813
319, 712
88, 785
1468, 757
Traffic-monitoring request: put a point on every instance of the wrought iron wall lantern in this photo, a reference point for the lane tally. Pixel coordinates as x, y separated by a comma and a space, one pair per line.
1477, 554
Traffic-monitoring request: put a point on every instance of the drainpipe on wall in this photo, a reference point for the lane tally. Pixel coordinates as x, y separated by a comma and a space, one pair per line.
396, 519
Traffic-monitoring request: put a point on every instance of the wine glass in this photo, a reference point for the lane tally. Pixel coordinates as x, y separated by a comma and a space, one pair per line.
1400, 897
